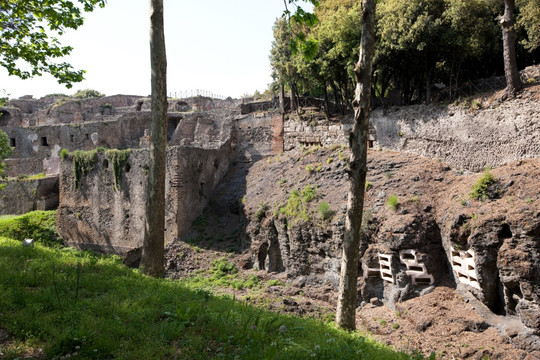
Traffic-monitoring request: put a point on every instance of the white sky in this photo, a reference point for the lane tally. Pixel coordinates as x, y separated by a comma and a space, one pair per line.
214, 45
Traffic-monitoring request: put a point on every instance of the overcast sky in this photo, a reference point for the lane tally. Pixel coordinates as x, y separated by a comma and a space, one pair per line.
215, 45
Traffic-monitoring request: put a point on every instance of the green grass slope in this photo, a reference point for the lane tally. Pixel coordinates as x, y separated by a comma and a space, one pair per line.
86, 306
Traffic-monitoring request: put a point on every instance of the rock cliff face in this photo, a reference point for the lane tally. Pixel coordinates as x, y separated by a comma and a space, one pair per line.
433, 233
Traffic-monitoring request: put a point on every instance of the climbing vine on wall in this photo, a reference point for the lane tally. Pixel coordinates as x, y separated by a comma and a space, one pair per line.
83, 163
118, 158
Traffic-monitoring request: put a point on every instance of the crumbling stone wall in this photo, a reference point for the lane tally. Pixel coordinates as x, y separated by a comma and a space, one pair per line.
461, 137
260, 134
22, 196
102, 217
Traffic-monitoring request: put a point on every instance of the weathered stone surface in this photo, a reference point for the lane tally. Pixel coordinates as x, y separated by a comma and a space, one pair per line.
22, 196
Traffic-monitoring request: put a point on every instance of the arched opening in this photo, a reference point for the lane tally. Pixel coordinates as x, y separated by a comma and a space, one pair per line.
5, 116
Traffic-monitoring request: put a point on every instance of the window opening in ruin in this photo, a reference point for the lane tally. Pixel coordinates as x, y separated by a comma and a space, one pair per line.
370, 144
105, 163
216, 163
12, 142
505, 232
127, 168
71, 137
87, 136
139, 105
44, 141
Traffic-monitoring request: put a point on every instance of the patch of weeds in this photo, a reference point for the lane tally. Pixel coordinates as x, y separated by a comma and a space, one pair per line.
274, 282
296, 207
395, 326
309, 168
319, 168
388, 174
261, 211
368, 185
382, 322
393, 202
282, 182
329, 160
309, 193
481, 188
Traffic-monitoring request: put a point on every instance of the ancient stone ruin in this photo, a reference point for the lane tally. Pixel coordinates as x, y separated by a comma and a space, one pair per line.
439, 239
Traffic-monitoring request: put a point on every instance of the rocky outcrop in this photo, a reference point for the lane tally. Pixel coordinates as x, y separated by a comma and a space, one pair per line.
434, 234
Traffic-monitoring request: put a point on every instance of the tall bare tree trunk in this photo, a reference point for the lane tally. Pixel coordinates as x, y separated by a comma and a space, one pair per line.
346, 307
154, 232
511, 72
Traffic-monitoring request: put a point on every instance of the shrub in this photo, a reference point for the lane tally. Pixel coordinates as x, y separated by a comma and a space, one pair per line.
325, 211
480, 189
87, 94
393, 202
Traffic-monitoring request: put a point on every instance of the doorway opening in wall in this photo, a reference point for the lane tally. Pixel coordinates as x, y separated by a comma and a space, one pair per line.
44, 141
12, 142
370, 144
172, 124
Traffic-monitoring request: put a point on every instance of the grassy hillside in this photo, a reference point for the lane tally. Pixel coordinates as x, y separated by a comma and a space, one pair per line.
64, 303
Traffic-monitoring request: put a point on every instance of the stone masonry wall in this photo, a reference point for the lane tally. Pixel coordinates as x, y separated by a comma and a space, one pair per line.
461, 137
261, 134
22, 196
100, 217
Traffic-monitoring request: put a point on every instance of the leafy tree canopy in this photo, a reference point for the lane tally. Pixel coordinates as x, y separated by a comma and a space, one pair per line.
27, 35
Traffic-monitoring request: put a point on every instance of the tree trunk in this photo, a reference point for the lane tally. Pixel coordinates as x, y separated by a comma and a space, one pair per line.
513, 81
326, 102
154, 232
282, 97
346, 307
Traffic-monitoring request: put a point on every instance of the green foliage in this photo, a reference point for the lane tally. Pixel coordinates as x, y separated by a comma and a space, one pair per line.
56, 95
393, 202
37, 225
297, 204
368, 185
28, 49
309, 193
64, 154
223, 267
325, 211
83, 163
24, 177
529, 19
119, 159
480, 189
87, 94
